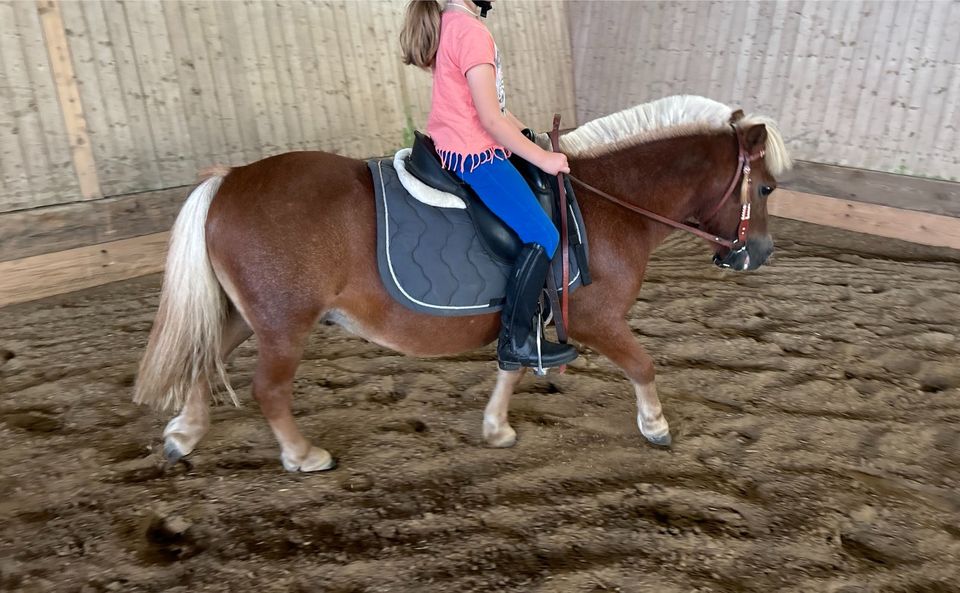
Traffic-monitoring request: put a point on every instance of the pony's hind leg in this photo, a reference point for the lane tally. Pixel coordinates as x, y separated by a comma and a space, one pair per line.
184, 431
497, 431
273, 389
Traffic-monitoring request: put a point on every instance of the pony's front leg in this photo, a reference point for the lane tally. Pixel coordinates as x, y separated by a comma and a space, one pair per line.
619, 345
496, 426
653, 426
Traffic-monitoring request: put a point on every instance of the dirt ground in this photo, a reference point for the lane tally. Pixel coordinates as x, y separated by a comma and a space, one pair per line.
814, 406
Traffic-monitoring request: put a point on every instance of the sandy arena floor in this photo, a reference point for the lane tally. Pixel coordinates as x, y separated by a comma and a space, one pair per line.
814, 406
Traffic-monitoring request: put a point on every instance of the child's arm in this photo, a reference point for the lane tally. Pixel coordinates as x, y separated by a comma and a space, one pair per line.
513, 119
482, 80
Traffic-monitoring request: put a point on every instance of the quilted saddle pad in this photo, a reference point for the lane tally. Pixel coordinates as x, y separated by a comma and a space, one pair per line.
430, 258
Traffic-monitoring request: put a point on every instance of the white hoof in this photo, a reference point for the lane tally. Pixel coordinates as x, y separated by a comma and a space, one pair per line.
180, 438
316, 460
500, 437
656, 431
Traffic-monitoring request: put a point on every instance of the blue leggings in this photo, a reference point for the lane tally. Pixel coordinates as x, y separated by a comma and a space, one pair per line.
504, 191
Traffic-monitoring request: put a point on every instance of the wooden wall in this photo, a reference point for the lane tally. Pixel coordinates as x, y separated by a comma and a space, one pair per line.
106, 98
36, 168
109, 108
866, 84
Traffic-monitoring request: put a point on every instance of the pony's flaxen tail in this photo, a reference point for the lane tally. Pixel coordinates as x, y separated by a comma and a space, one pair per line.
184, 346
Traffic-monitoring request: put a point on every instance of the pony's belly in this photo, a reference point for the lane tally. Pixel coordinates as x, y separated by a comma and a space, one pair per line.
415, 334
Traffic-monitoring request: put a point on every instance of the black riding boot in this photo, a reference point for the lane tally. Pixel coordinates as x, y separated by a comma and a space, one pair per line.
518, 332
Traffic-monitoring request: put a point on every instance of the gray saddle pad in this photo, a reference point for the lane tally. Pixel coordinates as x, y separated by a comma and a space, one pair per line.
431, 260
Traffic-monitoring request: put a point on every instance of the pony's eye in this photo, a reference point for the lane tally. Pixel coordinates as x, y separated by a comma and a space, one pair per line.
765, 190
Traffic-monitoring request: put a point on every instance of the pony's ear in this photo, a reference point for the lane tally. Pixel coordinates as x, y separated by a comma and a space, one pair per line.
755, 138
736, 116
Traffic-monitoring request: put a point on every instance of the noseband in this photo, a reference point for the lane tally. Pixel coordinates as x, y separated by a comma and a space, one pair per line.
739, 242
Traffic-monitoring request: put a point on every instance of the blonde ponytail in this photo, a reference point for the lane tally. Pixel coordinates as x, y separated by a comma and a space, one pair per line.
420, 36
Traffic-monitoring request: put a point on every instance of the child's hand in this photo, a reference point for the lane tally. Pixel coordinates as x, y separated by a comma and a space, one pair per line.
554, 162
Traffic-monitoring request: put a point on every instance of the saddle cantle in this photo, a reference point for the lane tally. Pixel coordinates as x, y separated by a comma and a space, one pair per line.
440, 250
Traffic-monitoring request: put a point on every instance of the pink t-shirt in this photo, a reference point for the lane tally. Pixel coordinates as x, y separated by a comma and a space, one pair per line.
454, 123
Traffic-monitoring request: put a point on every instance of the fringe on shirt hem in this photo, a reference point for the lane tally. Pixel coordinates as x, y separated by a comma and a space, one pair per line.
453, 160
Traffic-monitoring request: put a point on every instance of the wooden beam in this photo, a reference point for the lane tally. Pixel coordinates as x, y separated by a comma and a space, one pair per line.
55, 228
46, 275
65, 271
906, 225
887, 189
61, 64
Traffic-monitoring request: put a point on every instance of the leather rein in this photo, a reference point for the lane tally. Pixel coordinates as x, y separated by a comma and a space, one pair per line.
742, 172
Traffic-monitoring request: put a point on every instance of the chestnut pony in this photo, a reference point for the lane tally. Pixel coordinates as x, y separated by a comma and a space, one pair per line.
273, 247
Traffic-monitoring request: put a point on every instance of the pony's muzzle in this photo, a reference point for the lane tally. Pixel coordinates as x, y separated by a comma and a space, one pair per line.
750, 256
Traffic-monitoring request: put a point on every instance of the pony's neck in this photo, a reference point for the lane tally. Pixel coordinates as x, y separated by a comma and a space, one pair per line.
678, 178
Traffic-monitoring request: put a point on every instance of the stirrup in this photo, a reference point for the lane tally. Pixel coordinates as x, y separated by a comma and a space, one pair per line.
539, 370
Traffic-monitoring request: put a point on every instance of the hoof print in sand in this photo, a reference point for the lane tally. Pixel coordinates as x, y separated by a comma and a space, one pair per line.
34, 421
171, 538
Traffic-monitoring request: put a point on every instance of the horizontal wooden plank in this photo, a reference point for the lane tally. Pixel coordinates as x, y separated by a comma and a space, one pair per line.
45, 275
56, 228
906, 225
887, 189
65, 271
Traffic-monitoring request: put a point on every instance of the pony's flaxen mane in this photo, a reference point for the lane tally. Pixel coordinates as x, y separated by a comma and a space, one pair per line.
670, 117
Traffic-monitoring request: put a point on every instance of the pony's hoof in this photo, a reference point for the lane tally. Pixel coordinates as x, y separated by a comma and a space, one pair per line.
181, 437
501, 438
656, 431
171, 452
664, 440
316, 460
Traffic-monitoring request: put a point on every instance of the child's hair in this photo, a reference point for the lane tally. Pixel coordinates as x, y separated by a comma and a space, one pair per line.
420, 36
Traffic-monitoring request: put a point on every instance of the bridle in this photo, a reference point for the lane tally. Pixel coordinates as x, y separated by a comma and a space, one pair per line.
736, 246
739, 242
